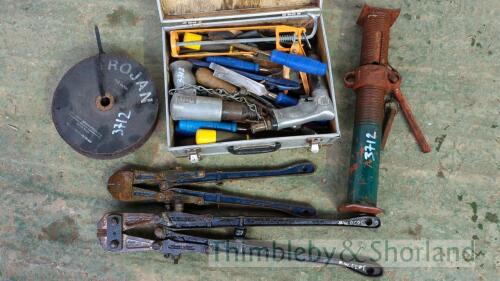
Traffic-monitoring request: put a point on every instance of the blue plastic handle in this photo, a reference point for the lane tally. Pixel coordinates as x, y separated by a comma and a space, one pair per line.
199, 63
189, 127
285, 101
235, 63
280, 83
271, 81
299, 63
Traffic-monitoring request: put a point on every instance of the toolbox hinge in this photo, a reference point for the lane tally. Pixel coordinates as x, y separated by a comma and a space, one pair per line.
193, 155
314, 145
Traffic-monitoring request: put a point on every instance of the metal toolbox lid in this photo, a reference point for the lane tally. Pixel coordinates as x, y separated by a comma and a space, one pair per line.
183, 11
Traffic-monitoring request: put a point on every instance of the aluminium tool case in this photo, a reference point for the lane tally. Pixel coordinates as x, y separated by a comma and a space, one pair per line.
186, 14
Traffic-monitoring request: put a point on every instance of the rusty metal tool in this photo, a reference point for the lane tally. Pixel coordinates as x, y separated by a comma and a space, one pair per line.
115, 232
172, 187
391, 109
373, 81
206, 136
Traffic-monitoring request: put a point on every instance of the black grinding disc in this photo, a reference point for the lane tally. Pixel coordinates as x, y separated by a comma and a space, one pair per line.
111, 124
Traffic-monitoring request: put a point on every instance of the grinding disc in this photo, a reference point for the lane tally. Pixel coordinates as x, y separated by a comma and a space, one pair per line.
105, 106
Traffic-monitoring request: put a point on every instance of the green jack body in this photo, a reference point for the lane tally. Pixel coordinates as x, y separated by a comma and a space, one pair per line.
365, 161
372, 81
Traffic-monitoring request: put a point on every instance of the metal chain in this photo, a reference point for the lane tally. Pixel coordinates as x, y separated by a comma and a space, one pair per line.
239, 96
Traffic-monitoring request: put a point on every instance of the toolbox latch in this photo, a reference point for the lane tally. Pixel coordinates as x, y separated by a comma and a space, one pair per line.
291, 14
192, 23
193, 155
314, 145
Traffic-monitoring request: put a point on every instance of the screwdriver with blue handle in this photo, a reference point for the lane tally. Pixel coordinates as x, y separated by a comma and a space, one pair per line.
237, 64
294, 62
189, 127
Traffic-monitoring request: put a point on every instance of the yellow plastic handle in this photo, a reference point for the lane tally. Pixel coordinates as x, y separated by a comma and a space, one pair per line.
190, 37
204, 136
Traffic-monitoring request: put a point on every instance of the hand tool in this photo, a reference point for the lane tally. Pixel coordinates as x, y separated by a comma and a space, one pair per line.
189, 127
250, 85
283, 34
205, 77
283, 100
172, 187
297, 49
391, 109
190, 37
372, 81
295, 62
269, 81
115, 232
410, 118
237, 64
183, 76
186, 107
318, 107
206, 136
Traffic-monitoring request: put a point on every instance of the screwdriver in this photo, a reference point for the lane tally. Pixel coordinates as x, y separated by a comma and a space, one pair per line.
191, 37
206, 136
189, 127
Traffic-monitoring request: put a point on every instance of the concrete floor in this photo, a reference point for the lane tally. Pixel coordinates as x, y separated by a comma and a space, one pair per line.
51, 197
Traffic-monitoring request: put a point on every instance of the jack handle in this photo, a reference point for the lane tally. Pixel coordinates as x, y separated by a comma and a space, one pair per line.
396, 78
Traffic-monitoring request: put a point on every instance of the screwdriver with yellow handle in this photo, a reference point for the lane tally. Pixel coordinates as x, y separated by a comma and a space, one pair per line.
193, 37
